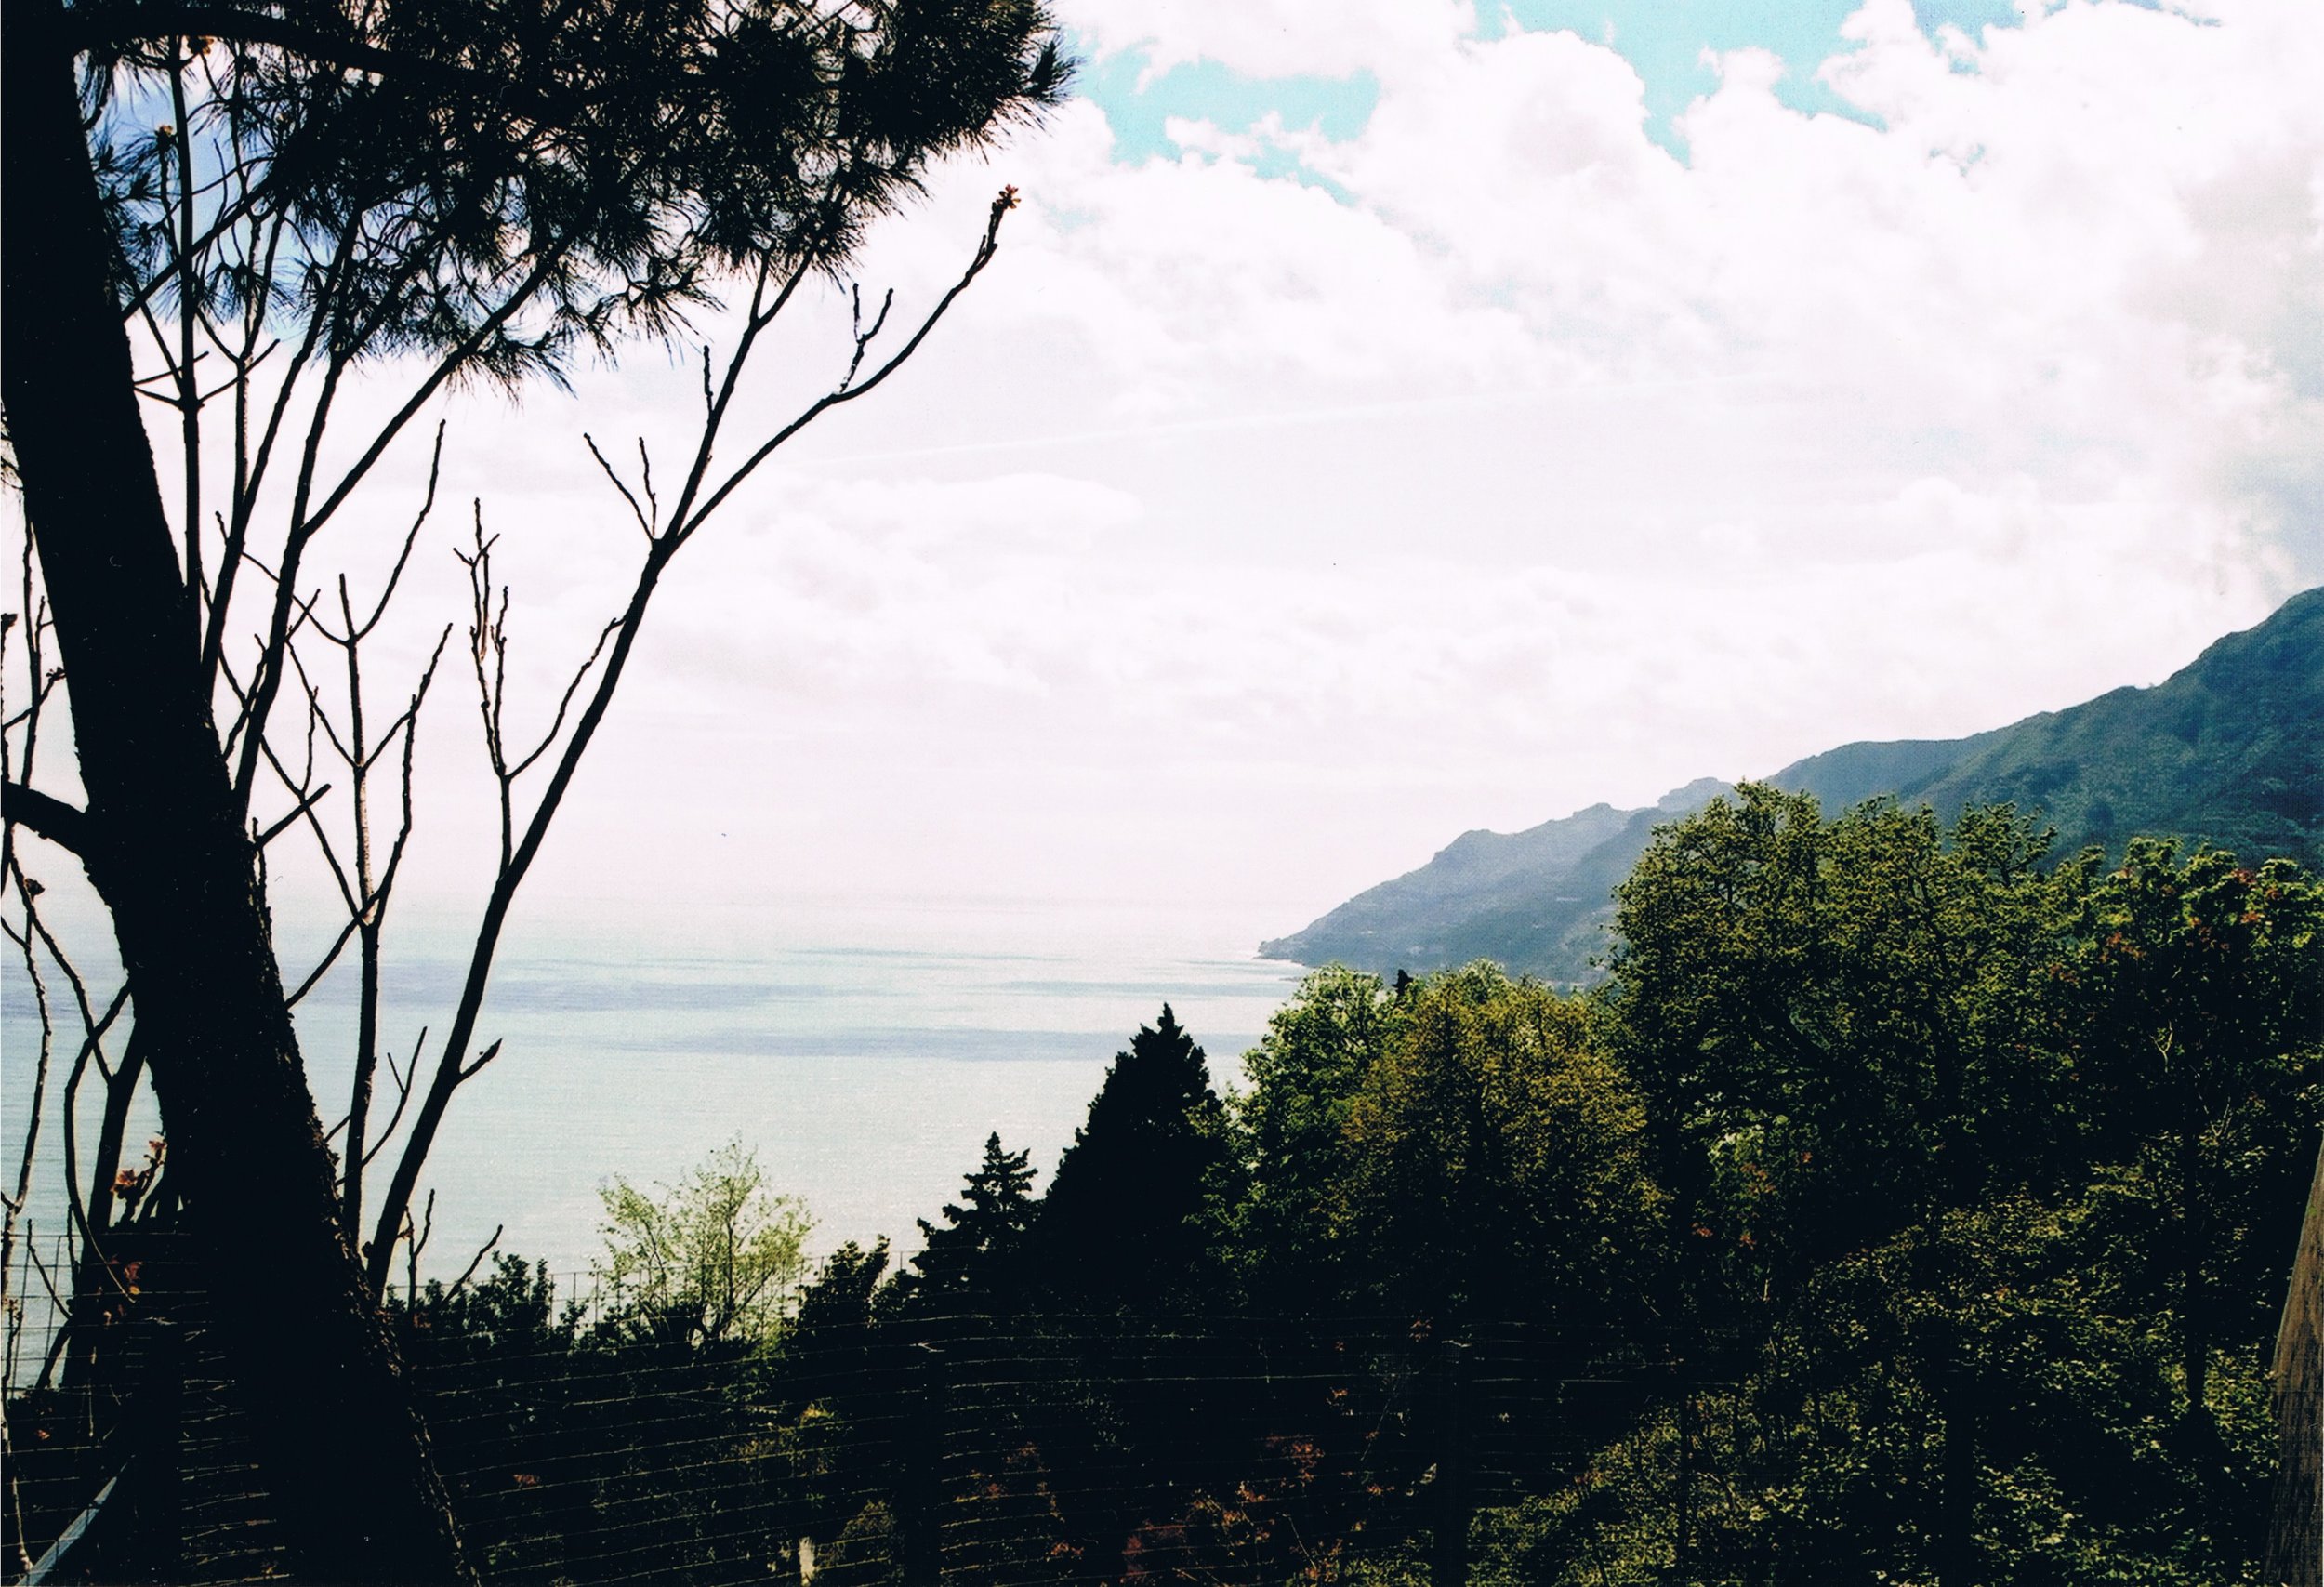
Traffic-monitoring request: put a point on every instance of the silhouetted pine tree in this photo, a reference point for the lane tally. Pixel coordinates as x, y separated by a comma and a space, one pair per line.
974, 1259
1121, 1223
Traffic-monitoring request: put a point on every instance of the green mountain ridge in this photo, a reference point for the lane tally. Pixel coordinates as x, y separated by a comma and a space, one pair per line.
2227, 750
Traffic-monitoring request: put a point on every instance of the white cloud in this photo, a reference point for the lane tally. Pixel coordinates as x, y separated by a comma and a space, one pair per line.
1253, 532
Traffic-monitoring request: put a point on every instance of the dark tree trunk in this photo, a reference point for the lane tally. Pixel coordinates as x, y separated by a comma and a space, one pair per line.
112, 1133
342, 1452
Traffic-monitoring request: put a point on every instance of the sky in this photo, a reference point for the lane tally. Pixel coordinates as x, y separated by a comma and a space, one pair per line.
1391, 417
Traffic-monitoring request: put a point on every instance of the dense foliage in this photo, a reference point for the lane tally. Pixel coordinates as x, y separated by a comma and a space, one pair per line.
1972, 1164
1120, 1222
1905, 1207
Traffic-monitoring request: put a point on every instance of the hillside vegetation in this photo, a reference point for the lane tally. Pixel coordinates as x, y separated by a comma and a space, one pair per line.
2229, 752
1900, 1207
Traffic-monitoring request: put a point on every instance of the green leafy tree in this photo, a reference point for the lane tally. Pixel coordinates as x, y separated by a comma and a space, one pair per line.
712, 1261
1822, 1016
2203, 985
1122, 1222
1288, 1129
1492, 1160
1969, 1147
1839, 1030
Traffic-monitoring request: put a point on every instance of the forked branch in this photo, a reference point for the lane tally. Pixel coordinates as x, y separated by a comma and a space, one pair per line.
771, 294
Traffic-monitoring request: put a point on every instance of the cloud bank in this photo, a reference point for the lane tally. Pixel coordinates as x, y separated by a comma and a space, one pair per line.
1277, 507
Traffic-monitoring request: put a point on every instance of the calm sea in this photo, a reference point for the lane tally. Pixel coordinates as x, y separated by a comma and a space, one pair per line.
863, 1051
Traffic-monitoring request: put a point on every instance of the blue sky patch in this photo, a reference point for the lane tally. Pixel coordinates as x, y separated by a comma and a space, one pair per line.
1203, 90
1663, 39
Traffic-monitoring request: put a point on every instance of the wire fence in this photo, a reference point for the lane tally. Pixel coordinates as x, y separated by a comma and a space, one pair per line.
1006, 1451
1030, 1452
127, 1455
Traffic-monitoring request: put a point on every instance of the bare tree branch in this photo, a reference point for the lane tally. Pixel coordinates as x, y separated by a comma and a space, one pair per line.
489, 655
63, 825
476, 1262
486, 1056
301, 809
636, 510
684, 523
402, 1079
565, 704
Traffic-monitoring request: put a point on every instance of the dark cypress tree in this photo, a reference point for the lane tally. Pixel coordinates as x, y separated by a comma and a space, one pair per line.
1121, 1224
973, 1260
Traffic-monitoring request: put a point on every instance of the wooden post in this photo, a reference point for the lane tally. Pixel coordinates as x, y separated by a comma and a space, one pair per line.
2295, 1532
1448, 1565
1683, 1522
161, 1414
920, 1499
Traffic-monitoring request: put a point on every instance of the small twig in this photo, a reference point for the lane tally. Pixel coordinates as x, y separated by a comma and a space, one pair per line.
402, 1079
469, 1071
418, 1243
330, 957
565, 705
478, 1261
862, 337
636, 510
303, 806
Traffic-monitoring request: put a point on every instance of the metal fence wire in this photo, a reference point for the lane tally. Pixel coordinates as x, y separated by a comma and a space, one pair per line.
968, 1450
127, 1456
1002, 1451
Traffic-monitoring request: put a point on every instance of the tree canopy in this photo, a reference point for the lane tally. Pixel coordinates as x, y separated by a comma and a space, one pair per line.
713, 1260
1492, 1160
1905, 1207
974, 1260
273, 198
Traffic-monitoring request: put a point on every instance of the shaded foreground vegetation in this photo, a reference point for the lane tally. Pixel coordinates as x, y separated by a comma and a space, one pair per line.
1922, 1209
1904, 1207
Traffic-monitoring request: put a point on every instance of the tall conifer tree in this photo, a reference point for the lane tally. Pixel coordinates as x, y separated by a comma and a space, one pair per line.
972, 1260
1121, 1223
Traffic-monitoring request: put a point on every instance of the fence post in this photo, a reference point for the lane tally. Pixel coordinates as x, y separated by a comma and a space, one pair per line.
1683, 1518
1448, 1565
921, 1472
168, 1444
159, 1411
